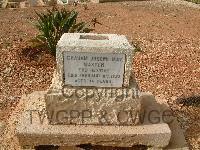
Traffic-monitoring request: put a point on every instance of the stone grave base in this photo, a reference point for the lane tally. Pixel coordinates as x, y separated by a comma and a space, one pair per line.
75, 105
33, 130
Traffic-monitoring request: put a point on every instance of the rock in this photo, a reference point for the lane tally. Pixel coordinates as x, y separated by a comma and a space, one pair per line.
23, 4
3, 3
7, 71
2, 127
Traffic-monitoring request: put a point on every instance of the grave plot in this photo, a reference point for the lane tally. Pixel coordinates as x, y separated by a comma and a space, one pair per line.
94, 99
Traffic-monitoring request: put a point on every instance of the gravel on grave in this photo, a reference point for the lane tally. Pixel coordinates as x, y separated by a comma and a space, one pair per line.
168, 66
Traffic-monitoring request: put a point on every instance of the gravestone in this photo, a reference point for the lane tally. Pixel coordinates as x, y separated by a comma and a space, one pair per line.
93, 99
93, 83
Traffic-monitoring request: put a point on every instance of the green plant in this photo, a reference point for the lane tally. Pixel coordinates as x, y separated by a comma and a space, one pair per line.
54, 24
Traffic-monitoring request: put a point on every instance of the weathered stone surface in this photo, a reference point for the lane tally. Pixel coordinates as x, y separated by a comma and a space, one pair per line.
34, 129
99, 106
121, 136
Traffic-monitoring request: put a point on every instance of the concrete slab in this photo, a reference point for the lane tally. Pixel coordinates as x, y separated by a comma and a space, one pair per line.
33, 129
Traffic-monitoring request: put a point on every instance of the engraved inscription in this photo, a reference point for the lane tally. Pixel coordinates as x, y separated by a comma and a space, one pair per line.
94, 69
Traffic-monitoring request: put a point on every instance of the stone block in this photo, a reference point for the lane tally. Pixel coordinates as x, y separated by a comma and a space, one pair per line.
97, 106
35, 130
95, 43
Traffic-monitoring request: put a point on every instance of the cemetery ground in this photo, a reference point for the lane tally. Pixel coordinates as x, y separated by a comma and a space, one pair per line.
168, 65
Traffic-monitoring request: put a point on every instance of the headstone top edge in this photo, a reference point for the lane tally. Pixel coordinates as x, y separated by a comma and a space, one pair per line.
94, 40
